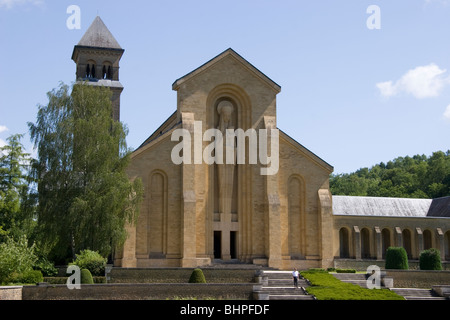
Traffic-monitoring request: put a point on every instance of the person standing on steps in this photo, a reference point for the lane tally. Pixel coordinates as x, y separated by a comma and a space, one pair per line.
295, 276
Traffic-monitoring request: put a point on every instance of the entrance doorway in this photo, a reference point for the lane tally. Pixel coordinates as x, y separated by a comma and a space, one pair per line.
225, 245
217, 244
233, 243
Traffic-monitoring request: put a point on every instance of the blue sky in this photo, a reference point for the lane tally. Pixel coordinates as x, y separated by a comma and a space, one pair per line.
352, 95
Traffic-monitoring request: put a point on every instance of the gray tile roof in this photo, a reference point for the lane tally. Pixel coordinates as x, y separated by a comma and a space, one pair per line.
391, 207
98, 35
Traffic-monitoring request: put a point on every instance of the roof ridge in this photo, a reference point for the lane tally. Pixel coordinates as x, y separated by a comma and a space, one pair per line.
225, 53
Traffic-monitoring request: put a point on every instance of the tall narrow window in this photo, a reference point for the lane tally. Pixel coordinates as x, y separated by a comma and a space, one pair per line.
386, 241
157, 217
107, 70
93, 71
295, 215
344, 251
447, 246
365, 243
406, 234
427, 241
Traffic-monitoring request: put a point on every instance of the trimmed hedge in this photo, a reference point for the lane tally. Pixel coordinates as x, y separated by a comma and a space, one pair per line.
430, 259
396, 258
345, 271
317, 270
197, 276
63, 280
86, 277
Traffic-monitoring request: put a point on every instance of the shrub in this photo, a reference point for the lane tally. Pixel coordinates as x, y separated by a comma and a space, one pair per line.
29, 277
345, 271
316, 270
396, 258
332, 269
46, 267
86, 277
430, 260
91, 260
16, 258
63, 280
197, 276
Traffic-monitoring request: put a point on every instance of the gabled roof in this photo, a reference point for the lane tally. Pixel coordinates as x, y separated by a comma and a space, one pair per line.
440, 207
170, 123
227, 53
98, 35
312, 156
391, 207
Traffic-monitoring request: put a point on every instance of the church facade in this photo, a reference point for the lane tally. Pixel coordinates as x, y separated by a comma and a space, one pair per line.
275, 210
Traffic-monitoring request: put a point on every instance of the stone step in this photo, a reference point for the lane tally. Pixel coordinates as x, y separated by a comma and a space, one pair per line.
284, 289
278, 274
417, 294
280, 286
350, 276
361, 283
290, 297
287, 282
414, 292
353, 278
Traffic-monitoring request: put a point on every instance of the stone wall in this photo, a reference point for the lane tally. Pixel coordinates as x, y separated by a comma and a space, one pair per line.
418, 278
179, 275
362, 265
149, 291
11, 293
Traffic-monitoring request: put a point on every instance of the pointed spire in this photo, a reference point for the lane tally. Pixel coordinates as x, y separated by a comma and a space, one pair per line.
98, 35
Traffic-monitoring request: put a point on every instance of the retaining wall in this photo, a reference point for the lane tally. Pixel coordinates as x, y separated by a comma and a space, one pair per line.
11, 293
425, 279
149, 291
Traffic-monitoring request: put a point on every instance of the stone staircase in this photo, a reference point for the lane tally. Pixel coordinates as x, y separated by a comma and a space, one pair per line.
417, 294
354, 278
279, 285
407, 293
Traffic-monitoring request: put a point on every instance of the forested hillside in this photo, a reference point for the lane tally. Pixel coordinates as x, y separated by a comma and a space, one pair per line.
405, 177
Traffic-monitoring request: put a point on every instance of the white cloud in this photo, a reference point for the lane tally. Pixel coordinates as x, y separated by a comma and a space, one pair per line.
421, 82
8, 4
2, 142
447, 113
3, 128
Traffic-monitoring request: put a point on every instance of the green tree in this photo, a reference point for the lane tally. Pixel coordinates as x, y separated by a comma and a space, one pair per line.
406, 177
85, 195
16, 197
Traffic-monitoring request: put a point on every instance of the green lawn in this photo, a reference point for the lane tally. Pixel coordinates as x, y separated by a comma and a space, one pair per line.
325, 286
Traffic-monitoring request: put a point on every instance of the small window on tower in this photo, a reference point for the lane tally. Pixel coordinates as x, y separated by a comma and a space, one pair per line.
92, 71
107, 70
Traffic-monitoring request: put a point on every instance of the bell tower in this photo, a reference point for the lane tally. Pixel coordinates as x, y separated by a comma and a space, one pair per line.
97, 57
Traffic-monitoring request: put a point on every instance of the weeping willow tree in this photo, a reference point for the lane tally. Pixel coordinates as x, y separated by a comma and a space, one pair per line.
85, 196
